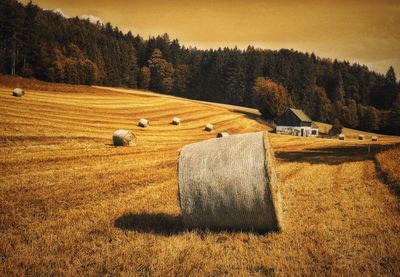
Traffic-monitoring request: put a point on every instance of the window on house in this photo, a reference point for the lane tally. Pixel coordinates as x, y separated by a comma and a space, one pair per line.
314, 132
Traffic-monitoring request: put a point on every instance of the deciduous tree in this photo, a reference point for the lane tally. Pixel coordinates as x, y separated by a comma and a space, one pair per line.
271, 98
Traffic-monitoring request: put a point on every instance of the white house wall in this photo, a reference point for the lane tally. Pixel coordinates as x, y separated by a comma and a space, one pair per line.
296, 131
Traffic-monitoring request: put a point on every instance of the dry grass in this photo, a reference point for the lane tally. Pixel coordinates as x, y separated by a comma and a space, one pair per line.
350, 133
389, 163
72, 204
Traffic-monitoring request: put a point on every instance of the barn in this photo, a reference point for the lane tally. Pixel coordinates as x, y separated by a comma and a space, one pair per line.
296, 122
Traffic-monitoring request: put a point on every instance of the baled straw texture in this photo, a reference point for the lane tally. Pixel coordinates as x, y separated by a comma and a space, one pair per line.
209, 127
143, 123
228, 184
222, 135
124, 138
17, 92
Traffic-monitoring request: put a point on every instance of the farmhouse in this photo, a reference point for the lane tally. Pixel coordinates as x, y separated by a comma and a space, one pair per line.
296, 122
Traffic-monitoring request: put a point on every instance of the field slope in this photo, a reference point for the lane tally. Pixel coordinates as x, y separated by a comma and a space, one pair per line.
72, 204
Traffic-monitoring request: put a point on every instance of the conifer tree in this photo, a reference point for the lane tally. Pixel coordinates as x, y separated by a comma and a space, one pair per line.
391, 89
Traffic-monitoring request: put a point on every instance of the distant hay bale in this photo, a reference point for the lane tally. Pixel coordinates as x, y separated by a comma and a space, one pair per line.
17, 92
143, 123
360, 137
341, 137
176, 121
374, 138
229, 184
222, 135
124, 138
209, 127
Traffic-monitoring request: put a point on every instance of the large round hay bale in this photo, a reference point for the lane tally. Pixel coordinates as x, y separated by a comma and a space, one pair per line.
143, 123
17, 92
374, 138
361, 137
176, 121
229, 184
124, 138
341, 137
209, 127
222, 135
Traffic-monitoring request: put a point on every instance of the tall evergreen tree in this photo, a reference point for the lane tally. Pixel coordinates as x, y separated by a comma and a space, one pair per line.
391, 89
144, 77
181, 79
160, 72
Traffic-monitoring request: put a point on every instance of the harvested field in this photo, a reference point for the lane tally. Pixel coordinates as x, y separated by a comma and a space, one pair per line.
388, 163
73, 204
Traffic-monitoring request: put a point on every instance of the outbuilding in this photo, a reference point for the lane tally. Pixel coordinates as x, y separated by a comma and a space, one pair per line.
295, 122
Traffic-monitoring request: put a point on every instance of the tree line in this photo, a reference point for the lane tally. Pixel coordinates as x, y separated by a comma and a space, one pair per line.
45, 45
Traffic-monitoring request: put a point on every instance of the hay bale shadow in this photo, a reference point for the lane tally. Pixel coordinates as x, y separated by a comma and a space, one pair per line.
247, 114
334, 155
328, 155
158, 223
166, 225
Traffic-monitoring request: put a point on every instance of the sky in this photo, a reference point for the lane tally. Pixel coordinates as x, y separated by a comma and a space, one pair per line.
366, 32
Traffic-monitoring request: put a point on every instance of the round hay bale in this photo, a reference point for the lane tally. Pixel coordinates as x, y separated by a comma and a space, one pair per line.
176, 121
374, 138
17, 92
360, 137
341, 136
143, 123
229, 184
209, 127
222, 135
124, 138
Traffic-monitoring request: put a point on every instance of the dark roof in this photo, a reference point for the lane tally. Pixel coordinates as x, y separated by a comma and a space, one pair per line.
301, 115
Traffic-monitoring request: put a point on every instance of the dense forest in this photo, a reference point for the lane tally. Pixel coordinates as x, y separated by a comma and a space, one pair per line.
45, 45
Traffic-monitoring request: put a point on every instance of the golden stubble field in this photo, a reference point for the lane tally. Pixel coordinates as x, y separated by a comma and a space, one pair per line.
73, 204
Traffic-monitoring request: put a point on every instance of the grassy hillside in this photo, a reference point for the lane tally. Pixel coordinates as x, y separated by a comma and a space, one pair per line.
254, 113
71, 203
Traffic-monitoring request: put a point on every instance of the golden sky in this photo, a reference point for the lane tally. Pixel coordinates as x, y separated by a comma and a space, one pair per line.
366, 32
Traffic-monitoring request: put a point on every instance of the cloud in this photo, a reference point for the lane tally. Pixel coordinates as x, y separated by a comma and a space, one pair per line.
60, 12
93, 19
